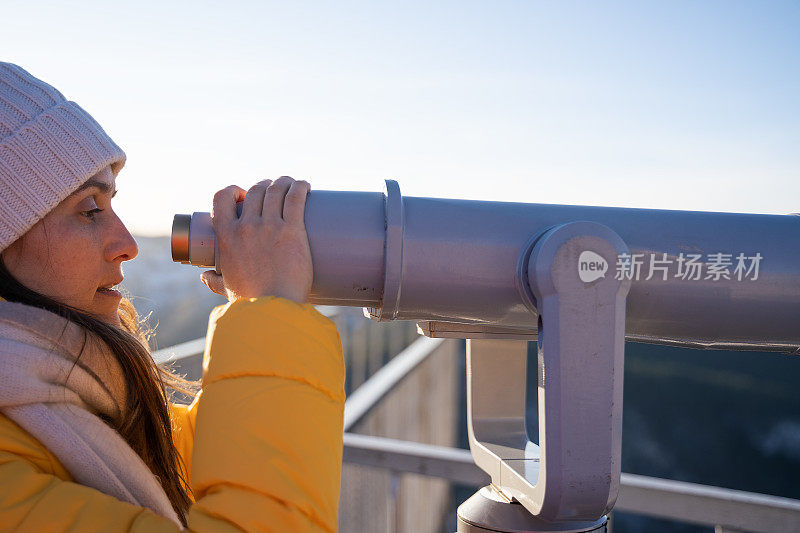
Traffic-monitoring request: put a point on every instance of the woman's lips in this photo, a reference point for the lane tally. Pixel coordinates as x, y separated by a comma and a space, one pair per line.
110, 292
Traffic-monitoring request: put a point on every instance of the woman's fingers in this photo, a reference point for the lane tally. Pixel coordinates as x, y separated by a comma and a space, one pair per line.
254, 201
273, 202
278, 234
223, 211
294, 206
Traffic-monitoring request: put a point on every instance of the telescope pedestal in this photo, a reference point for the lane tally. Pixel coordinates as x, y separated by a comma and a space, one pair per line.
485, 510
569, 480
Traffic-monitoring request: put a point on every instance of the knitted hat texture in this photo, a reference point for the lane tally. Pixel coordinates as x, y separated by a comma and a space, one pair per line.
49, 147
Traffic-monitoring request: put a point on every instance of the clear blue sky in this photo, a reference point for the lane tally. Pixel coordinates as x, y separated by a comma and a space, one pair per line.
674, 105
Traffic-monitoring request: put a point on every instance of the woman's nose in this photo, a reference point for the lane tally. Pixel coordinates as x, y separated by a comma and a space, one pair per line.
122, 246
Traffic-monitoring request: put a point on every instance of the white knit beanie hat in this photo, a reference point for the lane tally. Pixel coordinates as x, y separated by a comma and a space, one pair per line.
48, 148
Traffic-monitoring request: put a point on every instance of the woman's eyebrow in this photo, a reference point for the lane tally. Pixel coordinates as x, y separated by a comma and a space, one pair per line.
103, 186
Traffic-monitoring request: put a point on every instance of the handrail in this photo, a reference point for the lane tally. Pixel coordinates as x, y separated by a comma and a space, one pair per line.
452, 464
662, 498
184, 350
372, 391
708, 505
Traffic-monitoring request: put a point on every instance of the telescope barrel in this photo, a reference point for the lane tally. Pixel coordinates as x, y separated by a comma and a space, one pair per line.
701, 279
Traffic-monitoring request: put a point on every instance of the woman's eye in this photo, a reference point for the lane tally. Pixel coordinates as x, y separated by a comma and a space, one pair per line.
91, 213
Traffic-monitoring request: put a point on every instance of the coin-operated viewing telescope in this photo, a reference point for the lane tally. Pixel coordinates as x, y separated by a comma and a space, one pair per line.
577, 280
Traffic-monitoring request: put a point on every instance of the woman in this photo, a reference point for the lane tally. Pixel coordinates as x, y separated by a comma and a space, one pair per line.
88, 438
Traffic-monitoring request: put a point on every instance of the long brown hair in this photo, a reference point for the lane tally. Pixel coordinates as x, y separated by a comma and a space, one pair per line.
147, 425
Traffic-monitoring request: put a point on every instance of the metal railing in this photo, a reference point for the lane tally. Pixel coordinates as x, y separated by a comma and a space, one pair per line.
724, 509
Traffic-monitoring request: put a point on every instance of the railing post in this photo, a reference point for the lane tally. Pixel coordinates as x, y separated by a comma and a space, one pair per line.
392, 507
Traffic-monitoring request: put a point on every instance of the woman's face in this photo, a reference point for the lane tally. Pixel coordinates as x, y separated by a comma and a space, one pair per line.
74, 254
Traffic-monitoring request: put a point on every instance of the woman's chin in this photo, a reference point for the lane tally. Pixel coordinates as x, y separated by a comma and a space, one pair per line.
106, 307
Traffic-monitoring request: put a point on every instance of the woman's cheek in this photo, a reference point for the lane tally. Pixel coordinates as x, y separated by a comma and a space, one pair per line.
78, 264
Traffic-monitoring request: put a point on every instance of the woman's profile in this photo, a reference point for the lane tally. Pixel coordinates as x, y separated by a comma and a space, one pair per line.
88, 437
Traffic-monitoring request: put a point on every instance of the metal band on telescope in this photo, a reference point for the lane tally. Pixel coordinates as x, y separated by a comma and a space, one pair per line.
393, 254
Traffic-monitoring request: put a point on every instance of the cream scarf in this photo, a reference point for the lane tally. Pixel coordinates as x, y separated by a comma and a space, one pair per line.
56, 396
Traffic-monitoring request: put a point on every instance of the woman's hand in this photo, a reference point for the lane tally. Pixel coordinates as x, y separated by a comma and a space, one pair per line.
265, 251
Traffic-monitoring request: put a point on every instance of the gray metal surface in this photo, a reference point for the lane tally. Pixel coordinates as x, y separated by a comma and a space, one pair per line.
457, 263
490, 507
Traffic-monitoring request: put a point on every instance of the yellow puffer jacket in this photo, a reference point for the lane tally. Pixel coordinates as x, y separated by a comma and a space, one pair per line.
263, 443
